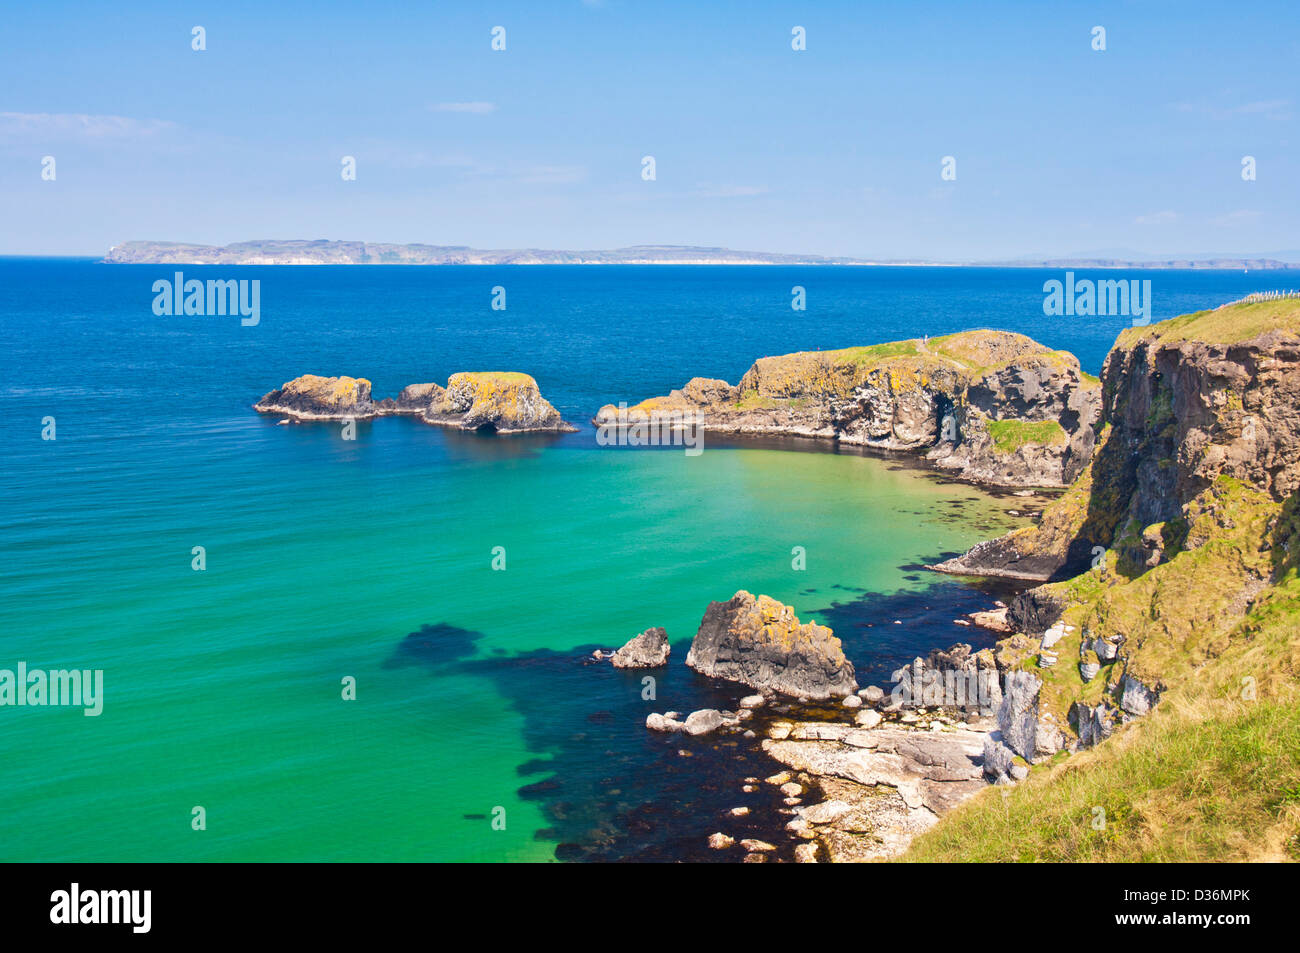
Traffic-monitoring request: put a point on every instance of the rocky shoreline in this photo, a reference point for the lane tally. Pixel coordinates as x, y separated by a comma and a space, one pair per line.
860, 771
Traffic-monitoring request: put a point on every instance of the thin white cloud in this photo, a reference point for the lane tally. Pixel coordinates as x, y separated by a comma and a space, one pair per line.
81, 126
731, 191
478, 109
1165, 217
1240, 217
1275, 109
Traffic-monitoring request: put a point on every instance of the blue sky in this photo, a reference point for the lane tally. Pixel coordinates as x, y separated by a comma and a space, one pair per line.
834, 150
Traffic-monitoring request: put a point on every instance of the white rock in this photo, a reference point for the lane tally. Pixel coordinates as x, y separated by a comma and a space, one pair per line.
869, 718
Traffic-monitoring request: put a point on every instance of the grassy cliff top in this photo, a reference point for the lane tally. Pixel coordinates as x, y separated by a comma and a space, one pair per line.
1231, 324
967, 354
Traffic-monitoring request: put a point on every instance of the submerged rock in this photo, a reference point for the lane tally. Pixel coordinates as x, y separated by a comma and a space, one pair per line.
648, 650
759, 642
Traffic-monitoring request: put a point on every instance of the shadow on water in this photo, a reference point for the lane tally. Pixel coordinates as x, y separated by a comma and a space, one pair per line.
926, 618
612, 790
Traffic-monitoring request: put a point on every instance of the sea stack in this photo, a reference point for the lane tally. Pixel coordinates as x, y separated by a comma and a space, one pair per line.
311, 397
502, 401
759, 642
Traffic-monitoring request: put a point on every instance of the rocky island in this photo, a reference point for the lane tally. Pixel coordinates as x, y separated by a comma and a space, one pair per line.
994, 407
503, 402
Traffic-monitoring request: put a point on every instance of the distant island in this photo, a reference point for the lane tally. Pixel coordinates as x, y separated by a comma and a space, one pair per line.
324, 252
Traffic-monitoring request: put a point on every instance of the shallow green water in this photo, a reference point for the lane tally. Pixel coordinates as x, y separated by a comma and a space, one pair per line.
223, 687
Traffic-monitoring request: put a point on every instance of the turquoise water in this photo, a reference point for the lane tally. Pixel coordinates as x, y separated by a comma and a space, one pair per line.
373, 559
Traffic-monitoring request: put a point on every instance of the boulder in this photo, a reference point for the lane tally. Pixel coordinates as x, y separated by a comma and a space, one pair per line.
1135, 698
648, 650
657, 722
872, 694
703, 722
998, 758
759, 642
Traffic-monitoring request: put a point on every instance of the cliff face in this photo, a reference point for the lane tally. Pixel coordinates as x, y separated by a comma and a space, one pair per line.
996, 407
1210, 395
1182, 529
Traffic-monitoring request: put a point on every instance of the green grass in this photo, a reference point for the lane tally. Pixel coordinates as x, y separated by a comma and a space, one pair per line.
1240, 322
1172, 788
1010, 435
873, 354
1213, 773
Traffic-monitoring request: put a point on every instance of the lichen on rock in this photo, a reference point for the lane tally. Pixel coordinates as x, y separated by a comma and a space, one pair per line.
502, 401
311, 397
759, 642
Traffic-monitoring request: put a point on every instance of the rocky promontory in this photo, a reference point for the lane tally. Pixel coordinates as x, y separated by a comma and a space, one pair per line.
995, 407
499, 401
759, 642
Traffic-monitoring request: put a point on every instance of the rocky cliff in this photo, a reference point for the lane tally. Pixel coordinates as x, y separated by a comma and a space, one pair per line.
996, 407
1185, 402
501, 401
1177, 535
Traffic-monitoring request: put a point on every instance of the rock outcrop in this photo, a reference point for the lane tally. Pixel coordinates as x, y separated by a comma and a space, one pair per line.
996, 407
1185, 402
504, 402
880, 787
1178, 526
414, 399
759, 642
311, 397
648, 650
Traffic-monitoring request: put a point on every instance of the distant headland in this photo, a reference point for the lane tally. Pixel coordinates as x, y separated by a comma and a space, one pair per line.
325, 252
